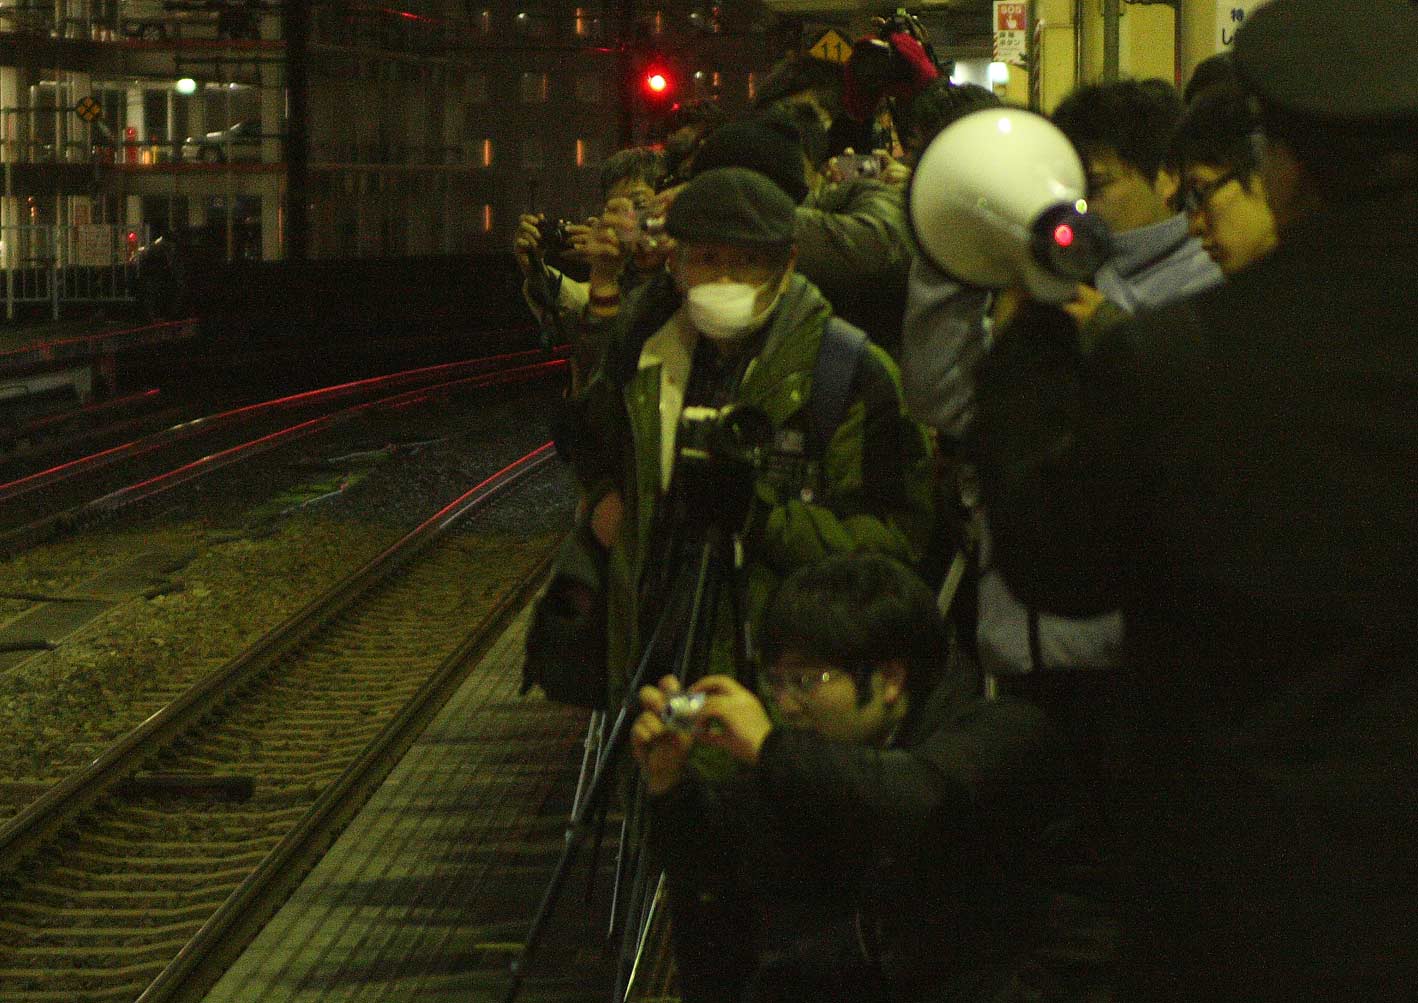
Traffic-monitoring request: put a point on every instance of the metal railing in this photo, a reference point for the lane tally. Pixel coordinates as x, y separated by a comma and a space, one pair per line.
82, 263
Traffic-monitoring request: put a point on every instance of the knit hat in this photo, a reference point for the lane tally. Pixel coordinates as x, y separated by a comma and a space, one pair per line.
731, 205
770, 146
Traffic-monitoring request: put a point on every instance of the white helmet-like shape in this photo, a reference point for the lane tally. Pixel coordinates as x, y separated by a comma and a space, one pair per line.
997, 199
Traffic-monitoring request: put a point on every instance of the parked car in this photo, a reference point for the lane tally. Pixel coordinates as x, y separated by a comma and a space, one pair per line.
242, 139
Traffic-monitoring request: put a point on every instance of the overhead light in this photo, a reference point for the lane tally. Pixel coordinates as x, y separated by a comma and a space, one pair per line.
185, 86
999, 73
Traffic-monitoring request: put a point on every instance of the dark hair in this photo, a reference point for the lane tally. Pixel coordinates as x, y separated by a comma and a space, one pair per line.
636, 163
1348, 161
698, 113
802, 73
1217, 130
1214, 71
941, 103
1131, 119
858, 611
768, 143
806, 123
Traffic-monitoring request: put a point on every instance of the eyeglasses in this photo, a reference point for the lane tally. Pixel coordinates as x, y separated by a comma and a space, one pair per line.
801, 682
1194, 198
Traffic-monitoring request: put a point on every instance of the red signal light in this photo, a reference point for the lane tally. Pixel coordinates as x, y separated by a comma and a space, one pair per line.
1063, 235
656, 82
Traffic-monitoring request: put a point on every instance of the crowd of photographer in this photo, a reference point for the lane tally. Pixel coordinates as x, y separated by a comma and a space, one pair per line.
975, 599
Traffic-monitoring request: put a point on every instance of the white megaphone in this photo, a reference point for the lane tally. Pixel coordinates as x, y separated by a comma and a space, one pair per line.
997, 199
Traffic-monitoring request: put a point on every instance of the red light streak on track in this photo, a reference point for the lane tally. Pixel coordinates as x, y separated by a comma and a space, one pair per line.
157, 440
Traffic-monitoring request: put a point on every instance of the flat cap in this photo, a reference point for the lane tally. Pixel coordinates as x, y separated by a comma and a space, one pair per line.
731, 205
1341, 63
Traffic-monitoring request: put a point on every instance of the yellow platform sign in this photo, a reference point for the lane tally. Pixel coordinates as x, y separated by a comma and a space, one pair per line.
832, 46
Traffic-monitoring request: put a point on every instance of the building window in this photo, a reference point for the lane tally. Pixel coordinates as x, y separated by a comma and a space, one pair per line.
487, 218
536, 88
752, 86
485, 22
587, 23
532, 22
583, 152
532, 153
487, 153
588, 88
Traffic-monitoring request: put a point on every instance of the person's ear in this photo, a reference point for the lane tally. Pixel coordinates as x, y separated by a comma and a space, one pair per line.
889, 679
1166, 185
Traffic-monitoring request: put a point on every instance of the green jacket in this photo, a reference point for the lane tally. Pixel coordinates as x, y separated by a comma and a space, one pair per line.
854, 244
871, 488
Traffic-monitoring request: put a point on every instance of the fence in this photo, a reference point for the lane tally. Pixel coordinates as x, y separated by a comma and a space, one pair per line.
90, 263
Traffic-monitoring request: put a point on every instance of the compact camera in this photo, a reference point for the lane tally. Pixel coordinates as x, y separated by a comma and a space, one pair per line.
682, 711
554, 234
851, 166
648, 230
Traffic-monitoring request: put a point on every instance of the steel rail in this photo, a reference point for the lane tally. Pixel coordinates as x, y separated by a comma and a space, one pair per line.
18, 538
26, 831
192, 428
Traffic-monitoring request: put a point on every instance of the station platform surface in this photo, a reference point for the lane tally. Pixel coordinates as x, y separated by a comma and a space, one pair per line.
428, 893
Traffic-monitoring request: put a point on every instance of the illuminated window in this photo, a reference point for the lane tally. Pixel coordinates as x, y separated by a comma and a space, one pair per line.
487, 153
485, 22
752, 86
584, 152
588, 22
657, 22
536, 88
487, 218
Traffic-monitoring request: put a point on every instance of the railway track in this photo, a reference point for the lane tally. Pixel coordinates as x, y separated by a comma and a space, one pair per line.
139, 877
39, 504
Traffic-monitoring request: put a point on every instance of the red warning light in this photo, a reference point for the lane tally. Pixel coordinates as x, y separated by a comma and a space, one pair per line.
132, 236
657, 83
1063, 235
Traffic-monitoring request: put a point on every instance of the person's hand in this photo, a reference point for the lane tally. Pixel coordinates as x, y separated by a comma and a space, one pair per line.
609, 240
1006, 304
659, 749
527, 240
893, 172
1085, 303
732, 719
606, 518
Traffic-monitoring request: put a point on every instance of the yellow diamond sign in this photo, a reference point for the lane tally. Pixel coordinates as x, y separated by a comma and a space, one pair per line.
832, 46
88, 109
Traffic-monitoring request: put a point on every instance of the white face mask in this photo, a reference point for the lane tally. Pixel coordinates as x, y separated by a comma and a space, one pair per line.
724, 310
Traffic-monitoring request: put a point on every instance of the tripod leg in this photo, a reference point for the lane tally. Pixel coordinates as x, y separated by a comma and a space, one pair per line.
588, 757
647, 926
576, 829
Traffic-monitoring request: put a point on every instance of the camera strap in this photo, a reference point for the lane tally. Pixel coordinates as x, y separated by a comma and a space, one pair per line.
832, 375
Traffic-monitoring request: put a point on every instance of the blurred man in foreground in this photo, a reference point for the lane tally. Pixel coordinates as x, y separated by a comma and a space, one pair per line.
1236, 474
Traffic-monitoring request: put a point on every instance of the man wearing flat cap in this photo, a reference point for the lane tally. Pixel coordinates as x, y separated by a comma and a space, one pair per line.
730, 323
1236, 473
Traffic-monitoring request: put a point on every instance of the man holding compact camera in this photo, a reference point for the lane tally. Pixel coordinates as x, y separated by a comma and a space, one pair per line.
730, 324
891, 836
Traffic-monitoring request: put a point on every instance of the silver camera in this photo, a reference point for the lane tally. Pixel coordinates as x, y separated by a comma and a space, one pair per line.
682, 711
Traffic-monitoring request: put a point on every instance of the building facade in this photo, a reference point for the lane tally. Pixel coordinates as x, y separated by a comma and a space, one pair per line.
431, 123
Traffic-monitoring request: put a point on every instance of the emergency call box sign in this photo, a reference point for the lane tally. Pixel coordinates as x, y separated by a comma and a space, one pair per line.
1011, 32
1230, 15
